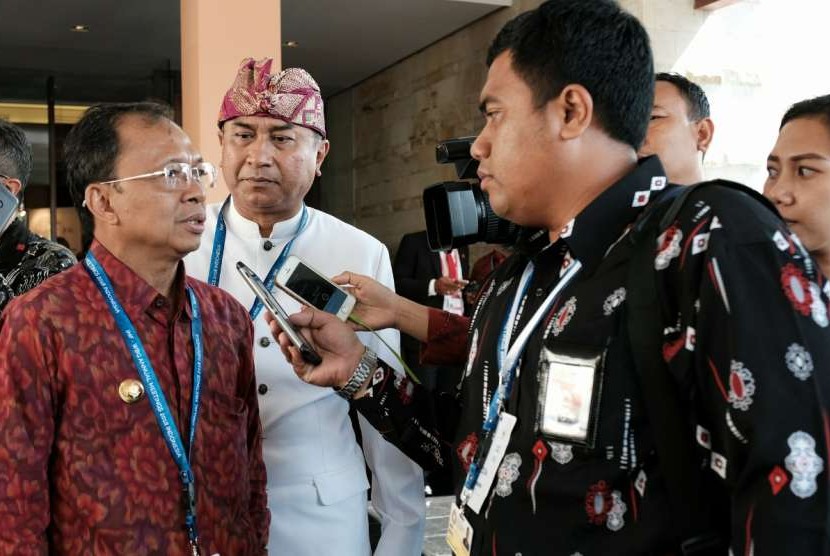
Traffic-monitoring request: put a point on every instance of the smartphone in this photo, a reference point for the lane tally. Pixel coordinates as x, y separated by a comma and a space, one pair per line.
308, 286
279, 313
8, 207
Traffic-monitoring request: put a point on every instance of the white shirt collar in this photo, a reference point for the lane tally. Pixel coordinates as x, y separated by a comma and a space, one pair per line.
246, 229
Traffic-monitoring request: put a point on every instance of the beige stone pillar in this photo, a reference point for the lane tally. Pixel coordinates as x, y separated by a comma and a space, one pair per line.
216, 36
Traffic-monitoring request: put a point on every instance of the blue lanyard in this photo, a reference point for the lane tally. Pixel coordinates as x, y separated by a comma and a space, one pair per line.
509, 361
219, 250
158, 402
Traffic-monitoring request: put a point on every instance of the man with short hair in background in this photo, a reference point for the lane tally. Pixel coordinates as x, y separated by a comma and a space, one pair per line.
26, 259
680, 129
128, 406
273, 137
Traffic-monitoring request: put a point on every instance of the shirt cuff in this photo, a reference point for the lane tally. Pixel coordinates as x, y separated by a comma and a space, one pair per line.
431, 288
446, 339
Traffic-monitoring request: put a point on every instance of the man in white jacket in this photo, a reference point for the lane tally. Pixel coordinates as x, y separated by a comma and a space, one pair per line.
272, 132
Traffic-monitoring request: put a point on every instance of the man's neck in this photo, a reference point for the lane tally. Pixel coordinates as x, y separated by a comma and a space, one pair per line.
617, 162
691, 178
266, 220
158, 271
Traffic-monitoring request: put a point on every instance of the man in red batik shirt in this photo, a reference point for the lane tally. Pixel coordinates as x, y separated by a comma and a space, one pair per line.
96, 359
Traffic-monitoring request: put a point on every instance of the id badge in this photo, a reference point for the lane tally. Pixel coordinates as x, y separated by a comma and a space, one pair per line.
459, 532
570, 385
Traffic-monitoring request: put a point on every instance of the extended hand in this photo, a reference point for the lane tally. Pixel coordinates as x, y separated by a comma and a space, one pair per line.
447, 286
377, 305
333, 339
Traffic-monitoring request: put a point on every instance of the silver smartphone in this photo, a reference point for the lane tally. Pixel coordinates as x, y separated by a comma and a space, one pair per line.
8, 207
308, 286
259, 289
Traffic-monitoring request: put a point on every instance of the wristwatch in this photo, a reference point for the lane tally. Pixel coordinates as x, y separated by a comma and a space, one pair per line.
367, 365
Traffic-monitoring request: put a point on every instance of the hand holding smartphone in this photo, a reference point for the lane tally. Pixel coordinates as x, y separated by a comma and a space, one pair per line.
306, 350
310, 287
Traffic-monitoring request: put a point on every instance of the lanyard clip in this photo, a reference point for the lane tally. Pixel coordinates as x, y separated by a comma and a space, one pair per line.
189, 500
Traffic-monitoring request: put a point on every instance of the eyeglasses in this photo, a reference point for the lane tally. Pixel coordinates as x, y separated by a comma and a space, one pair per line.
177, 175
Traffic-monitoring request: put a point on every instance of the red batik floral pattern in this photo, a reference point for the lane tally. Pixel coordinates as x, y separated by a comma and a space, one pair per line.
86, 473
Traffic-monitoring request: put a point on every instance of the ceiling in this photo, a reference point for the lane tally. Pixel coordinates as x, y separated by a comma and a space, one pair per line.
132, 49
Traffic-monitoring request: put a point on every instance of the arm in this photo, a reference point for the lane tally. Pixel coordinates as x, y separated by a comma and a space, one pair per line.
258, 510
765, 412
380, 307
27, 427
446, 339
397, 481
407, 415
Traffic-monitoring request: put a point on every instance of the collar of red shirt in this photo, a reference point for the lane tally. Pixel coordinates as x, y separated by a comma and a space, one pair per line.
136, 295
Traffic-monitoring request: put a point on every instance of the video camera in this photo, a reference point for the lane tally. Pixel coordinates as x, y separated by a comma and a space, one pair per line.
458, 212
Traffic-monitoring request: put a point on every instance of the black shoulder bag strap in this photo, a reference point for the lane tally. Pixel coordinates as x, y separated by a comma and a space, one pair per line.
666, 407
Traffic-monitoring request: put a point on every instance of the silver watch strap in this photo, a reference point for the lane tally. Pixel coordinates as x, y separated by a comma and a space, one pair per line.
367, 365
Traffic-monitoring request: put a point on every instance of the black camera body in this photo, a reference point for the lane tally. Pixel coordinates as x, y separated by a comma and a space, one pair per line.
458, 212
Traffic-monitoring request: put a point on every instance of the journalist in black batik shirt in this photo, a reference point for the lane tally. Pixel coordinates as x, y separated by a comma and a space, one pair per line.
740, 324
750, 313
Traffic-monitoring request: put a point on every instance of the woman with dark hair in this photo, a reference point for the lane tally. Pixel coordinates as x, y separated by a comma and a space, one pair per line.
798, 179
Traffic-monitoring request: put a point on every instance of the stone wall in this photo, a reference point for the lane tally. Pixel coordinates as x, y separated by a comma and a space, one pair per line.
383, 131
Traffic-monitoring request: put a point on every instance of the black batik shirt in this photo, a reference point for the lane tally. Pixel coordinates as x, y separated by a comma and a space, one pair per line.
747, 339
26, 260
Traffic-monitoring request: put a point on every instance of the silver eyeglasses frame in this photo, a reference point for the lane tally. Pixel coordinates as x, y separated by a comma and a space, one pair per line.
171, 173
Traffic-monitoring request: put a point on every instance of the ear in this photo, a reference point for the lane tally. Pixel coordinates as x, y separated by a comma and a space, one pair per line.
322, 151
14, 185
576, 111
98, 202
221, 135
705, 132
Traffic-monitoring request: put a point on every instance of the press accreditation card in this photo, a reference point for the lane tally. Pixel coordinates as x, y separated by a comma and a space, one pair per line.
569, 396
459, 532
498, 448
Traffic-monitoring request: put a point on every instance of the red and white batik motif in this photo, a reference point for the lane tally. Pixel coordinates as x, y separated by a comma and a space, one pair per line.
615, 520
540, 452
741, 386
818, 310
781, 241
507, 474
466, 451
658, 183
405, 388
668, 247
568, 229
700, 243
561, 453
718, 464
796, 288
605, 507
563, 316
598, 502
641, 199
640, 483
799, 361
567, 261
803, 463
778, 479
613, 301
703, 437
691, 338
